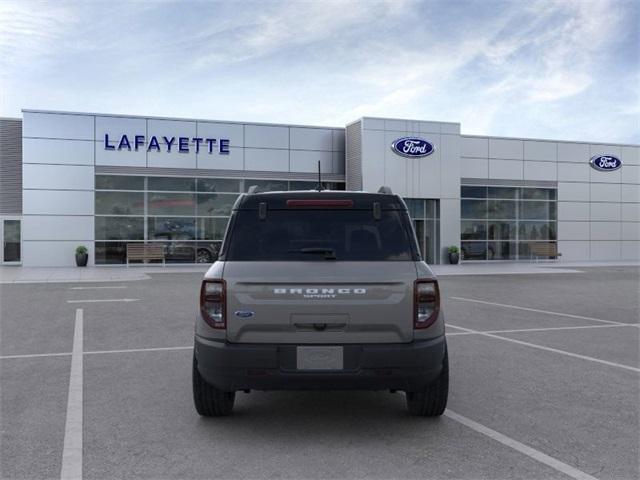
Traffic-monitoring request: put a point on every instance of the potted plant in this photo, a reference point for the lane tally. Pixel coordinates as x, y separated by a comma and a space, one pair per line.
454, 254
82, 256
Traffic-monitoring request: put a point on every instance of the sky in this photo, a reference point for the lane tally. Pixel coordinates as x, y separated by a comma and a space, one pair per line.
540, 69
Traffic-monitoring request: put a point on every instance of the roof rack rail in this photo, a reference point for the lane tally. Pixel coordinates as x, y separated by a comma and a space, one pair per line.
385, 190
253, 189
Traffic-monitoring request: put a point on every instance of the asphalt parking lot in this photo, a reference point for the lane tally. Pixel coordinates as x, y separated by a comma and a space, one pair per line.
545, 375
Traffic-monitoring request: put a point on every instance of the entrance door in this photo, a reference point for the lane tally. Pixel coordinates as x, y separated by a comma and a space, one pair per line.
11, 241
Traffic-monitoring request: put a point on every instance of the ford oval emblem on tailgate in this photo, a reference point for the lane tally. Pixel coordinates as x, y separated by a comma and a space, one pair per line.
244, 313
412, 147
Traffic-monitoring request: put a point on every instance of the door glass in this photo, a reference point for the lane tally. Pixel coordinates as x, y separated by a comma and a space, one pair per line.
11, 241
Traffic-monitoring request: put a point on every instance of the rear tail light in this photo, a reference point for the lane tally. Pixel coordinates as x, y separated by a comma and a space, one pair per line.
426, 303
322, 203
213, 303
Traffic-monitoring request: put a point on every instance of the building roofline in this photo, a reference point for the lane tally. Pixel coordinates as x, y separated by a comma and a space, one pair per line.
11, 118
180, 119
553, 140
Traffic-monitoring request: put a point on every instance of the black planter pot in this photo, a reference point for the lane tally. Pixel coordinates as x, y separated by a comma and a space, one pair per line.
454, 258
82, 259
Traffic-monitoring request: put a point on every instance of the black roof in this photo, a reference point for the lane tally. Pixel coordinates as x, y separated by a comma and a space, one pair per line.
278, 200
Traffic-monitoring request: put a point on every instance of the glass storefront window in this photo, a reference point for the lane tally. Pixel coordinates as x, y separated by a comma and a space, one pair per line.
502, 250
425, 214
267, 185
171, 228
475, 209
538, 210
502, 230
473, 192
172, 184
473, 230
500, 209
503, 224
119, 182
187, 215
119, 203
214, 205
172, 204
502, 192
217, 185
211, 228
119, 228
538, 194
108, 253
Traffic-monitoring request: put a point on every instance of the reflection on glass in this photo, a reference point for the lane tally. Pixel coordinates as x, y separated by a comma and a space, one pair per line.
110, 253
172, 204
473, 192
119, 203
537, 231
119, 228
218, 185
538, 193
502, 230
502, 209
502, 192
474, 251
473, 230
212, 205
266, 185
11, 241
176, 184
211, 228
501, 250
474, 209
538, 210
119, 182
167, 228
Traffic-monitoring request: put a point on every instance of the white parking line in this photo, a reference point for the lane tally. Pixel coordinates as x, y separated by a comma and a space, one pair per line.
549, 349
100, 287
35, 355
72, 450
105, 300
97, 352
520, 447
547, 329
135, 350
547, 312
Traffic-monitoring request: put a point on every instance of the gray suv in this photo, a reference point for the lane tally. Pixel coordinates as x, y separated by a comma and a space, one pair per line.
320, 290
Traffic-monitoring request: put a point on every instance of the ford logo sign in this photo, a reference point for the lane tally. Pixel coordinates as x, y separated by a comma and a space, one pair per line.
412, 147
244, 313
605, 163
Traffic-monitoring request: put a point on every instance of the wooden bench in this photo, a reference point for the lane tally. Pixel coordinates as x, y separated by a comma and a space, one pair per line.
144, 252
544, 250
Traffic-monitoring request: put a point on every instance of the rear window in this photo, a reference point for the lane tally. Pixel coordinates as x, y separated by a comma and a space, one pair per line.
310, 235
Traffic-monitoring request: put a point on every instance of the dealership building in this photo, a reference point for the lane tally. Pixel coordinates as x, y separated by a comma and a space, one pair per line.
111, 181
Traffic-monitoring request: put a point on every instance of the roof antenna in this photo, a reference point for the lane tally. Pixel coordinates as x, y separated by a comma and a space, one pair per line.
319, 178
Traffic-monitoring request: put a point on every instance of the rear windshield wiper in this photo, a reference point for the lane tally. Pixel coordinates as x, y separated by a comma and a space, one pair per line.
329, 253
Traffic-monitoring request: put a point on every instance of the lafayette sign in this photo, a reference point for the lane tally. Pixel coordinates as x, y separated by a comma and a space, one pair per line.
158, 144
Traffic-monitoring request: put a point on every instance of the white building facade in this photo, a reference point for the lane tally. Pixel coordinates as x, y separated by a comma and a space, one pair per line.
106, 181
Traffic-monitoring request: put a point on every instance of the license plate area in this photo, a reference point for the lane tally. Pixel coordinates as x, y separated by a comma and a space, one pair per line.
319, 358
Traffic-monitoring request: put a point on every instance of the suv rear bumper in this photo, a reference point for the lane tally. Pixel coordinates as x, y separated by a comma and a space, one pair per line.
406, 366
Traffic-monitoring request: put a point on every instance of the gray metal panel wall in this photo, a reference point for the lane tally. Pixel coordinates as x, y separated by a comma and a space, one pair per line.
353, 158
10, 166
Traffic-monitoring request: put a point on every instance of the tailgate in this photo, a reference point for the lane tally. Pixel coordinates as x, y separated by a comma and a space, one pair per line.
319, 302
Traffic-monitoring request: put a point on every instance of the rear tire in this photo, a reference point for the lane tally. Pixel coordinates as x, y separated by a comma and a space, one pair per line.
432, 401
208, 400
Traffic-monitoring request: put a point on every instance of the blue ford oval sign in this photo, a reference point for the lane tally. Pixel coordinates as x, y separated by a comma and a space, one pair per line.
605, 163
412, 147
244, 313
